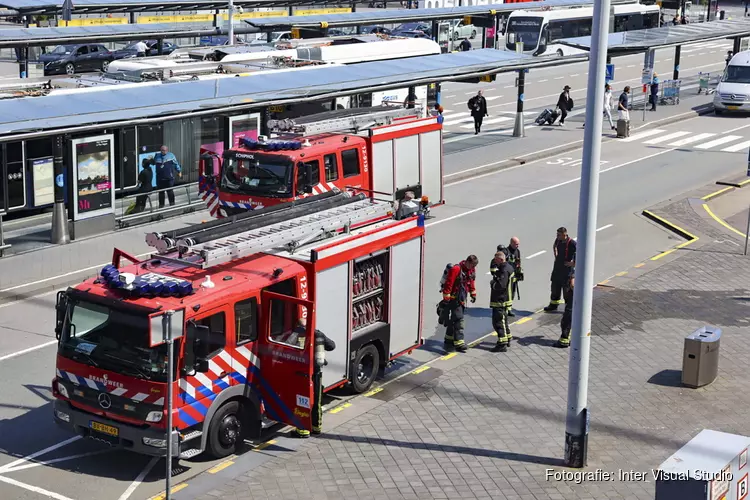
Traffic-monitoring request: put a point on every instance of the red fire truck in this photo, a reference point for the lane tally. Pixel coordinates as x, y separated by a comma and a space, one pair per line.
235, 290
384, 150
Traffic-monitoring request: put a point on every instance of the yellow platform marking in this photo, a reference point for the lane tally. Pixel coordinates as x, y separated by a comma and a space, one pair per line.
717, 193
373, 392
420, 370
263, 446
220, 467
174, 490
721, 221
449, 356
340, 408
522, 320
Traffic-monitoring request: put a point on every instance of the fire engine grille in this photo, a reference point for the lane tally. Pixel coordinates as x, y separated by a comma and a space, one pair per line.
120, 405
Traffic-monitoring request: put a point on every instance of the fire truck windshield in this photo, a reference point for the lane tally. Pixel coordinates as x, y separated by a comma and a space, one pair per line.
269, 175
112, 340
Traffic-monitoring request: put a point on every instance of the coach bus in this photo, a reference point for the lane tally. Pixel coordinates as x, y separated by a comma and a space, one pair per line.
540, 32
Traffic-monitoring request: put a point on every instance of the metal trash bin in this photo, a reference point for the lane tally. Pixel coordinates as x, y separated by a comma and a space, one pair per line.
700, 358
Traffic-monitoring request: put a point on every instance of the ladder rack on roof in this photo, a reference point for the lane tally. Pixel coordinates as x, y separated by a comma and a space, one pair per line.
348, 120
289, 234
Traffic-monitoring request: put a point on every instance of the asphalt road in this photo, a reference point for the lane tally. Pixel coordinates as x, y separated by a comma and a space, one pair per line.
529, 202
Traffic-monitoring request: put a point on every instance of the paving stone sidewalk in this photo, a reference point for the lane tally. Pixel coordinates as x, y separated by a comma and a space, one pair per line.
491, 428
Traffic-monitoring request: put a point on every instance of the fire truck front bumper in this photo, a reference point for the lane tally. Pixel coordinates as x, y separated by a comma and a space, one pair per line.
146, 441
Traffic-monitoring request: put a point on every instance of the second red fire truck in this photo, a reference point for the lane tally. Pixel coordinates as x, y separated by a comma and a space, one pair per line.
381, 150
236, 290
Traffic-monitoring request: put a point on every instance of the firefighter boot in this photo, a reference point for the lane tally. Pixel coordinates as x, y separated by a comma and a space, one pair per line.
300, 433
551, 308
500, 347
563, 343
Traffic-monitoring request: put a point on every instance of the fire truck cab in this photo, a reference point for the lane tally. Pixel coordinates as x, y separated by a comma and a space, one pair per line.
244, 295
387, 151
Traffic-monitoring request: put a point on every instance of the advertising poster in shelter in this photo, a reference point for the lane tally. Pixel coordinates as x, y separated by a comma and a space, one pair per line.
93, 193
43, 173
244, 127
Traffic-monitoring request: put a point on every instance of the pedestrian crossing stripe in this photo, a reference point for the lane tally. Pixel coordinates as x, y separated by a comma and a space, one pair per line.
737, 147
668, 137
718, 142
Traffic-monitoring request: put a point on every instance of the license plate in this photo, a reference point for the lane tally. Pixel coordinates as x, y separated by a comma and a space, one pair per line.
104, 429
733, 107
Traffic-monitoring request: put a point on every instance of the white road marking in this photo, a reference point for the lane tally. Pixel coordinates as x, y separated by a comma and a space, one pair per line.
8, 467
541, 190
631, 66
61, 459
35, 489
701, 53
719, 141
25, 351
492, 98
737, 147
139, 479
542, 81
536, 254
668, 137
488, 122
604, 227
449, 96
509, 86
694, 138
559, 77
5, 290
574, 74
492, 164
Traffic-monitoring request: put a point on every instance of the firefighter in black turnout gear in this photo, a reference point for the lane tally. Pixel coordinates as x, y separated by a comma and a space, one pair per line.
501, 287
565, 260
513, 257
567, 319
322, 344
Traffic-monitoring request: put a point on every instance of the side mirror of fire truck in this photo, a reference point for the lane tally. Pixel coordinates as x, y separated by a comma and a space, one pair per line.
308, 187
194, 360
61, 308
207, 165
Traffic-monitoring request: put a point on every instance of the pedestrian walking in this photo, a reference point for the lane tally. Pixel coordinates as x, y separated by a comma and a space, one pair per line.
654, 94
478, 107
607, 105
513, 257
457, 285
567, 319
564, 250
565, 104
501, 288
166, 166
465, 45
145, 185
322, 344
623, 104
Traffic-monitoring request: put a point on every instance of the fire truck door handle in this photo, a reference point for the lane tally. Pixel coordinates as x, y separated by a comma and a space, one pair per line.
223, 374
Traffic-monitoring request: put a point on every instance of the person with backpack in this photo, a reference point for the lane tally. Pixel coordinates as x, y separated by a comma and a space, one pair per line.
565, 103
501, 288
478, 107
456, 286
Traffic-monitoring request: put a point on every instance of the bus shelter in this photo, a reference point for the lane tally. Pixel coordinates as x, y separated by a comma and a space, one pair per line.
123, 126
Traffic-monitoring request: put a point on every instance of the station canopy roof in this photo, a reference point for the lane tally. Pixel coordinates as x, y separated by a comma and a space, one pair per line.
666, 36
401, 15
15, 37
121, 105
30, 7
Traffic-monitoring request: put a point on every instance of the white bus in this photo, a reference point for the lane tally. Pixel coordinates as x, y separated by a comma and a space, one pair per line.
540, 31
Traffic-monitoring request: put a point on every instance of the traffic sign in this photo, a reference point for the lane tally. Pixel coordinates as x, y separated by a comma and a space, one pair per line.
647, 75
610, 73
742, 488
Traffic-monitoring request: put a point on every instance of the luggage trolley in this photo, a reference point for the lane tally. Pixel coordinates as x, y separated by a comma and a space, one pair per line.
704, 83
670, 92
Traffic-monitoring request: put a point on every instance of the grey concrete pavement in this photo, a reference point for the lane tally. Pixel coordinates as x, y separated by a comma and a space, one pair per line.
491, 426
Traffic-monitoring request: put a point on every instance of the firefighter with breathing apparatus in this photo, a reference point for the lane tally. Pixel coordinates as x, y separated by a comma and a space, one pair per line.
322, 344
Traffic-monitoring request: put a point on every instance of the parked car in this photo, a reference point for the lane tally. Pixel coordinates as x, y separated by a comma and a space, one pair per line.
153, 50
375, 30
425, 28
413, 34
71, 59
461, 30
276, 37
219, 40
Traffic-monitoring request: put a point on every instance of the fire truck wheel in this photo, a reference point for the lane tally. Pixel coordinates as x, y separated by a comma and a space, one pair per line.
225, 431
366, 366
